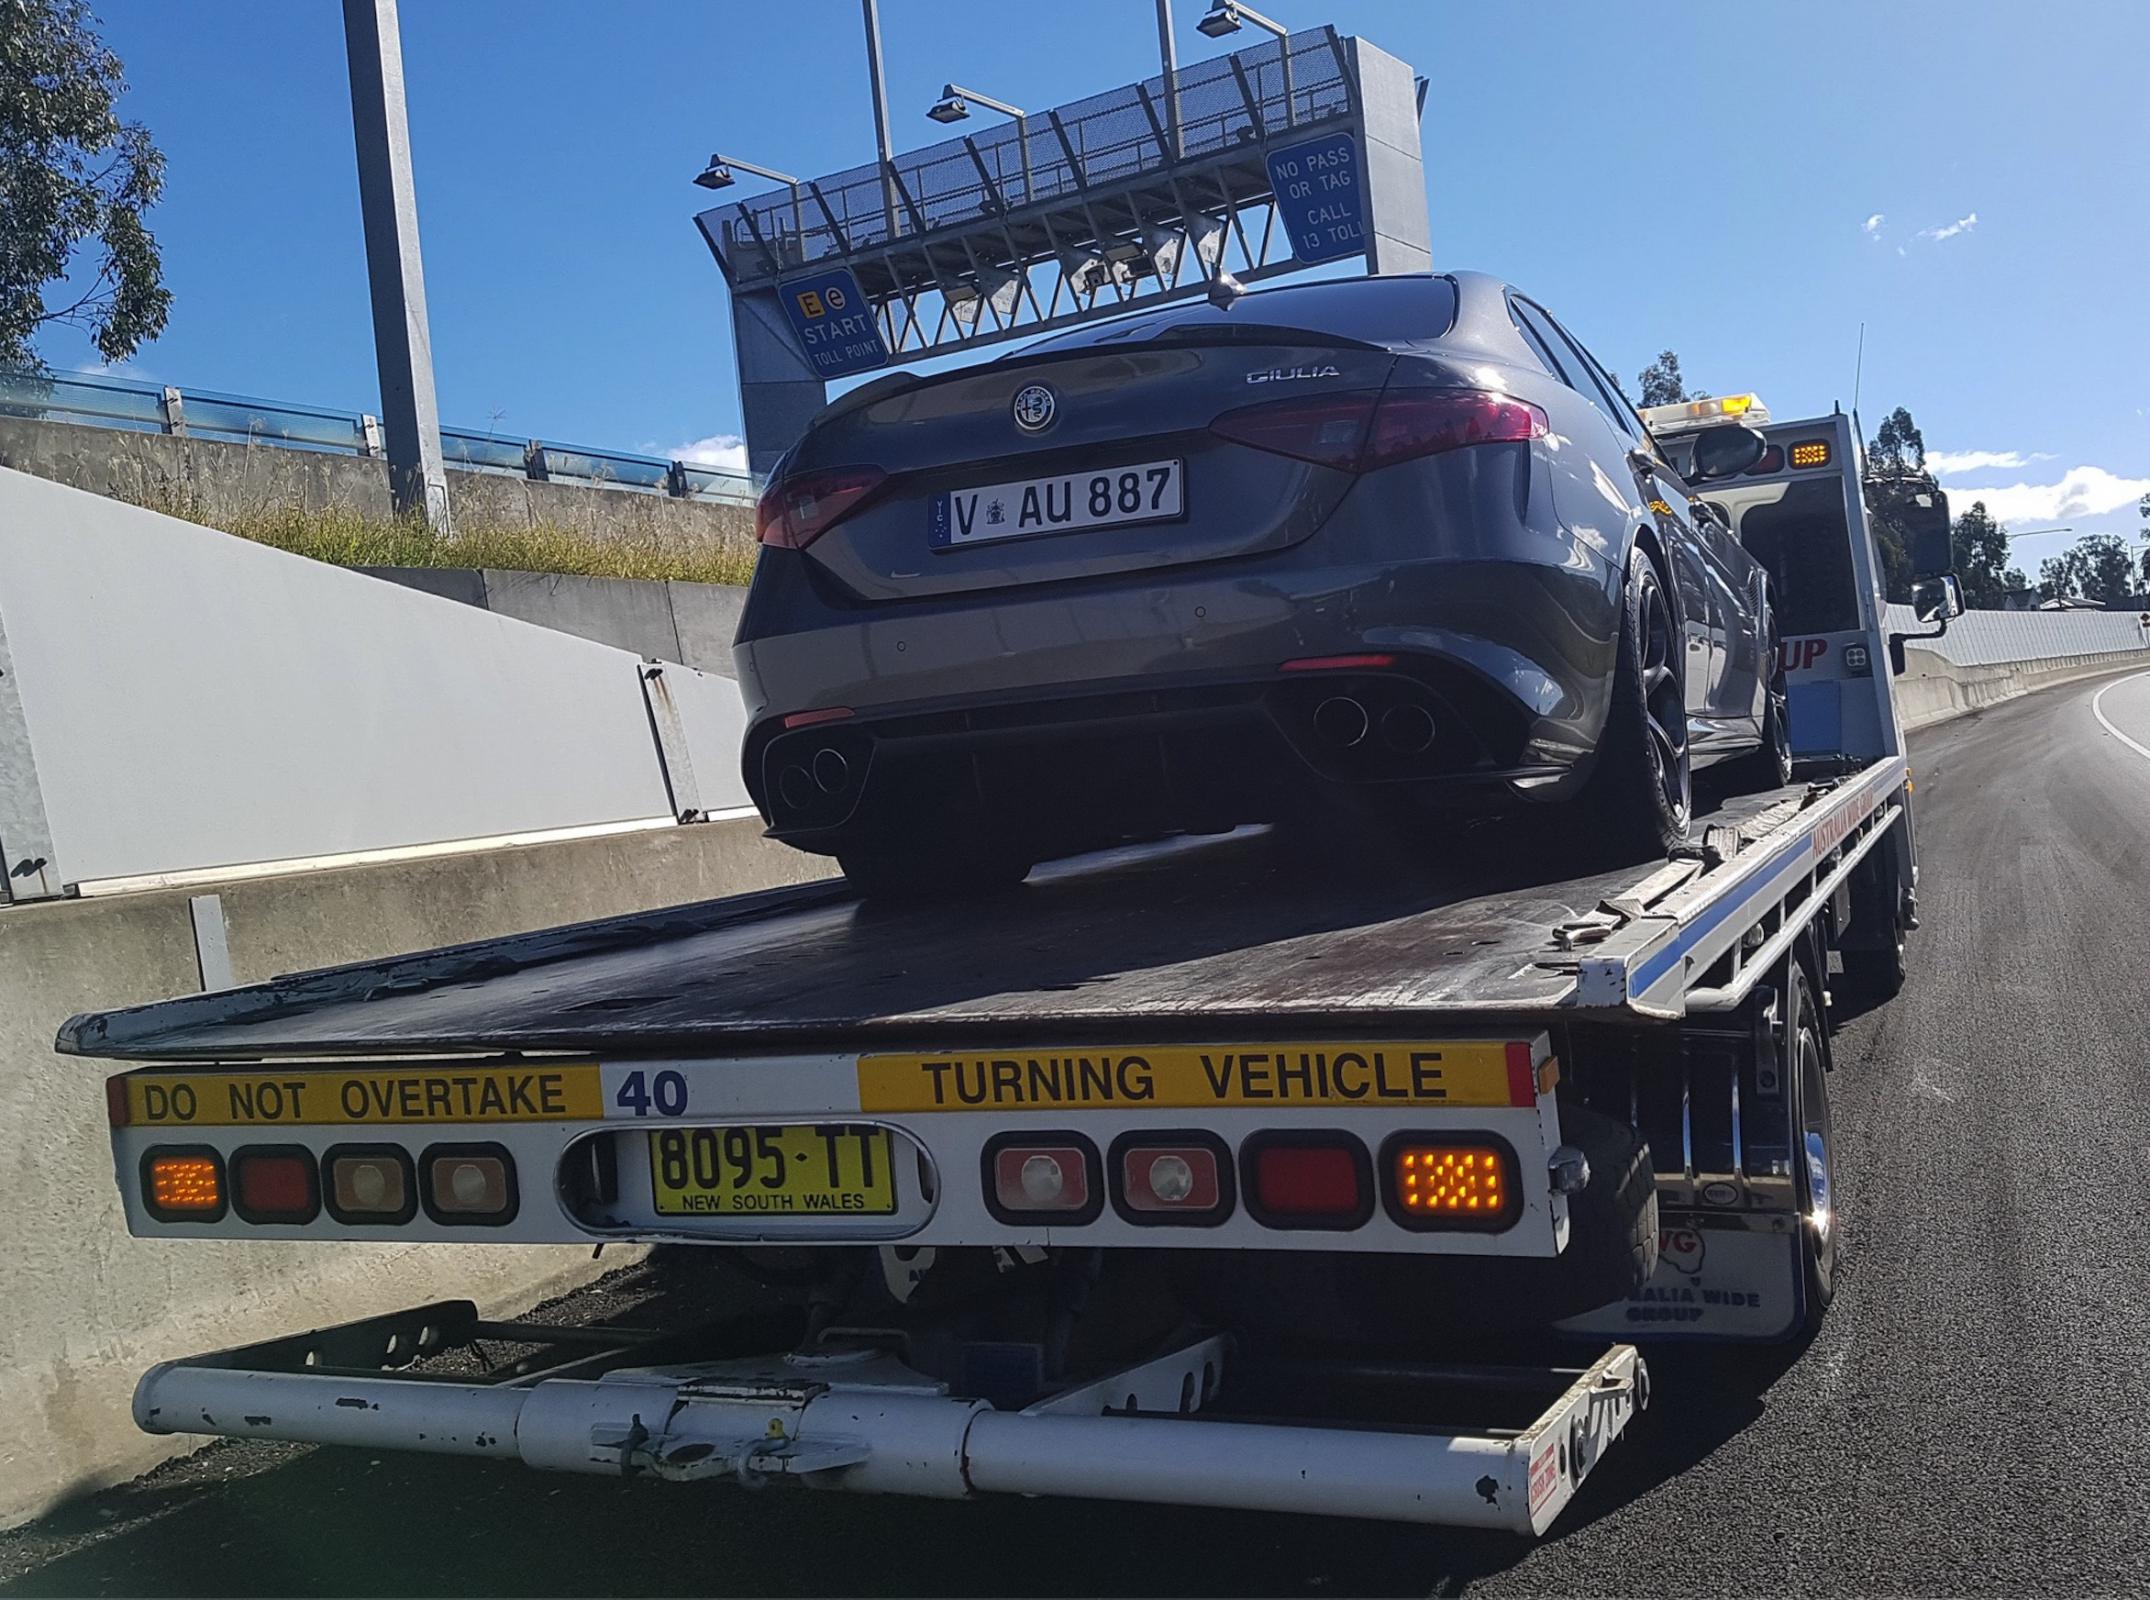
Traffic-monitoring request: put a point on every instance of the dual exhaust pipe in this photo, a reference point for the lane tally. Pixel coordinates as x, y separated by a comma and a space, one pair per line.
1342, 722
823, 776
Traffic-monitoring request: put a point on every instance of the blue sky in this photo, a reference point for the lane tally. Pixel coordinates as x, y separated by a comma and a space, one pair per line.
1745, 183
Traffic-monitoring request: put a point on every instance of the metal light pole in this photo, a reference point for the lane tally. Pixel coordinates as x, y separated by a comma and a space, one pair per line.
1169, 53
954, 106
880, 113
402, 346
718, 175
1224, 18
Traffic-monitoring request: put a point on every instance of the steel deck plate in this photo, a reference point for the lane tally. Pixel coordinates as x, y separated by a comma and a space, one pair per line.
1250, 932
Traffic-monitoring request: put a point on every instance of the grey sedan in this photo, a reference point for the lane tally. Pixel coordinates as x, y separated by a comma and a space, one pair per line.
1205, 565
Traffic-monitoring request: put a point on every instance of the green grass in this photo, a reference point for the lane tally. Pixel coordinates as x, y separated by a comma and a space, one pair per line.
645, 549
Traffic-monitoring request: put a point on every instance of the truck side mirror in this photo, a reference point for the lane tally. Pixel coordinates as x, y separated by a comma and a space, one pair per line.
1937, 599
1725, 451
1925, 521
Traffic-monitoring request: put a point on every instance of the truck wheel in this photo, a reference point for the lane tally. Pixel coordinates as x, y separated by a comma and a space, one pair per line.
1612, 1223
1814, 1159
1640, 793
1875, 971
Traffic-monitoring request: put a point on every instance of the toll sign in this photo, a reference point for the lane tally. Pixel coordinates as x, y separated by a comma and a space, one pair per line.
1321, 197
835, 325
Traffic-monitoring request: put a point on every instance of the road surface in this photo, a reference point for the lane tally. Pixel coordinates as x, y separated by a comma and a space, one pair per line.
1972, 1418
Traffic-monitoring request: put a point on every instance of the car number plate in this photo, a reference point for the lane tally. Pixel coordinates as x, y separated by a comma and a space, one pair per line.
1109, 497
827, 1169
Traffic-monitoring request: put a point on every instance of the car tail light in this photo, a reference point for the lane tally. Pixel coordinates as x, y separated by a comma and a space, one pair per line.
183, 1184
275, 1183
1307, 1180
1048, 1176
1361, 430
800, 507
468, 1183
1177, 1179
369, 1183
1456, 1181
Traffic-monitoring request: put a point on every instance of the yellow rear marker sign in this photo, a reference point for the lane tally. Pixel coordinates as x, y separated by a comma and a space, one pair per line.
1465, 1073
344, 1095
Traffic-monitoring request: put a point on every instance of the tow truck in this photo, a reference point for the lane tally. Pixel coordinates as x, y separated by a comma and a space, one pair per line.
1204, 1172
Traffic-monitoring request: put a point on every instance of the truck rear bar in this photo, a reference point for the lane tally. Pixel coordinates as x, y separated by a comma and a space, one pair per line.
846, 1412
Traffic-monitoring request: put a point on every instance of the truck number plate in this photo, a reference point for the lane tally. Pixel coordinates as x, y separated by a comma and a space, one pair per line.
826, 1169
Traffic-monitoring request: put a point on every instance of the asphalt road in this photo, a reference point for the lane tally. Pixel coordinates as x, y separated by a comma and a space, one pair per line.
1972, 1418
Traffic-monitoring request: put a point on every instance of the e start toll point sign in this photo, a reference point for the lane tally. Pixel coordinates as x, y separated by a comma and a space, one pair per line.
834, 323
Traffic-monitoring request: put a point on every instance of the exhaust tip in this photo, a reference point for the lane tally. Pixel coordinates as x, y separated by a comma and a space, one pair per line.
832, 773
1407, 729
796, 788
1340, 722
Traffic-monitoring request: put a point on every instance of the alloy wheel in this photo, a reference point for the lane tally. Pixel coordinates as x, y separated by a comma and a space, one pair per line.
1664, 695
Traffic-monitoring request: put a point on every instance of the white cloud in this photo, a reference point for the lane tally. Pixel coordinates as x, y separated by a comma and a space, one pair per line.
727, 450
1963, 224
2081, 492
1953, 463
1871, 227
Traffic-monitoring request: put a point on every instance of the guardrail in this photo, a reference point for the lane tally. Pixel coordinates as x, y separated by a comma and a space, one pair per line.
99, 400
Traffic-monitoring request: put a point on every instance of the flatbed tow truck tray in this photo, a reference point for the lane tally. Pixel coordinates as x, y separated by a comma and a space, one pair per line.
1177, 941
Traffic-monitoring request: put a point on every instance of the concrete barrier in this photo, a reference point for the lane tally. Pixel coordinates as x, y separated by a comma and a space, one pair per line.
1933, 689
89, 1307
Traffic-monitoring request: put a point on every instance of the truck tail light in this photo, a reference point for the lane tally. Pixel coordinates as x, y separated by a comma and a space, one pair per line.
1047, 1176
275, 1183
800, 507
1179, 1179
1361, 430
468, 1183
369, 1183
1307, 1180
183, 1183
1466, 1182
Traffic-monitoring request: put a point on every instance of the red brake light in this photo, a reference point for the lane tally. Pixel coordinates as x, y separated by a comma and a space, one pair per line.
1364, 429
800, 507
275, 1183
1307, 1180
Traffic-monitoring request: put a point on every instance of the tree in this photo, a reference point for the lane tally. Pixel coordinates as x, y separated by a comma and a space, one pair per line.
72, 172
2097, 567
1662, 385
1980, 548
1895, 470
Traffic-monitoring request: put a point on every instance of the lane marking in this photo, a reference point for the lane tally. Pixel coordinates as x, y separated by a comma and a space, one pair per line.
2097, 709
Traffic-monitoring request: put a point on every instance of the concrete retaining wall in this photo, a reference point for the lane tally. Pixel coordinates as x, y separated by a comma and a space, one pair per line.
220, 482
1934, 690
688, 622
89, 1307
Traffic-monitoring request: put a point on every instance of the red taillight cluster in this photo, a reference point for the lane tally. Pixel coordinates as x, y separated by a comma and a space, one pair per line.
359, 1184
1363, 429
1314, 1179
800, 507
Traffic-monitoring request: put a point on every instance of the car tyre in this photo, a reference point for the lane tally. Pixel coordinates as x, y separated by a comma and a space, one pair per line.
1770, 765
1640, 794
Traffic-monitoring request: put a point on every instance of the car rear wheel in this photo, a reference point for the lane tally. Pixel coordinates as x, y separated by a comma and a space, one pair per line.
1770, 766
1640, 794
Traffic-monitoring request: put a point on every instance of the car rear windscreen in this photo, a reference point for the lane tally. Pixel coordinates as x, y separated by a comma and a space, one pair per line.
1382, 311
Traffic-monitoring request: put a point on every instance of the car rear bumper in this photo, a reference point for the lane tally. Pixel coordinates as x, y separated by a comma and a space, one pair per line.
1178, 703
